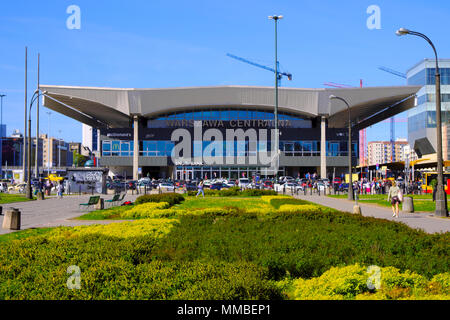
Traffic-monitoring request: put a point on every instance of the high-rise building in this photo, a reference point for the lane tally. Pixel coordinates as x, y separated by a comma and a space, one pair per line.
422, 118
90, 138
56, 153
380, 152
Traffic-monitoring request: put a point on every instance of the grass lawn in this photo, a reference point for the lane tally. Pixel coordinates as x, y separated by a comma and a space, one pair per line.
10, 198
23, 234
422, 202
192, 203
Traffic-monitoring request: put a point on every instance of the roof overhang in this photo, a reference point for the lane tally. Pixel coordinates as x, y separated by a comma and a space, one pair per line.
114, 107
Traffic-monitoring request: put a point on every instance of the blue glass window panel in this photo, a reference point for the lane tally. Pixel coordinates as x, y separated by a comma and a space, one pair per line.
106, 146
307, 146
206, 114
188, 115
169, 147
197, 115
124, 146
115, 148
232, 115
418, 79
171, 116
242, 114
215, 115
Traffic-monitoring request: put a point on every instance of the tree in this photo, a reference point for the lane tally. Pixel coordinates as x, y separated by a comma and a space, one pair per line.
78, 159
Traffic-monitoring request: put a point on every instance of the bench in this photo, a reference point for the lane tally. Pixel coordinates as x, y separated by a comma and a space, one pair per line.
115, 199
92, 202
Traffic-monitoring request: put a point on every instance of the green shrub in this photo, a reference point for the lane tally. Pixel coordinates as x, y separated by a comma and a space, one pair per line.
351, 282
115, 268
305, 244
170, 198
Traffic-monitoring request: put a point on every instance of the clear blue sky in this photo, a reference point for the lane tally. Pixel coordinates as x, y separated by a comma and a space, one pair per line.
151, 44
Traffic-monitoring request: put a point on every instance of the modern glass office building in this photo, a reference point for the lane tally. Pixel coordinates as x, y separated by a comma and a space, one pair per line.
422, 118
226, 131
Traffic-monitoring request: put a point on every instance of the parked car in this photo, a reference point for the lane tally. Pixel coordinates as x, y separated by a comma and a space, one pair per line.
268, 184
218, 186
166, 186
3, 187
230, 183
243, 183
131, 184
18, 188
191, 186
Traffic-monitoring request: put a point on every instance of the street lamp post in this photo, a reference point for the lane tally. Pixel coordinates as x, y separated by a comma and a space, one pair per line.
1, 135
277, 144
350, 182
441, 196
35, 96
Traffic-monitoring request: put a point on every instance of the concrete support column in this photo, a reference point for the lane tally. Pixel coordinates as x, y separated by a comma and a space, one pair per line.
135, 147
323, 148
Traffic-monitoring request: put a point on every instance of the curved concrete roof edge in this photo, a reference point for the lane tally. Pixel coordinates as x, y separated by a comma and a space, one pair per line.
306, 101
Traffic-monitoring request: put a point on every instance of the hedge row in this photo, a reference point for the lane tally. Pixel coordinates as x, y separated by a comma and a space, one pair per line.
305, 244
170, 198
233, 192
113, 268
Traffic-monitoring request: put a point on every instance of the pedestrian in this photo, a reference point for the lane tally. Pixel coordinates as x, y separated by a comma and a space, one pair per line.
60, 189
200, 189
395, 196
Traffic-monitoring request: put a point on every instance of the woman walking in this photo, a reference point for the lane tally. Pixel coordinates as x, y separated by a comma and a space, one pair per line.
395, 196
200, 189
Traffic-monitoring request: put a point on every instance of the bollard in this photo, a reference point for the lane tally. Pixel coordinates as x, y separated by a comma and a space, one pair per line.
100, 204
408, 204
310, 191
79, 190
11, 220
1, 209
304, 190
318, 190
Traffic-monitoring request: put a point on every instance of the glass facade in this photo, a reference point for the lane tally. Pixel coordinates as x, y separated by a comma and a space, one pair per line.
124, 148
227, 114
427, 77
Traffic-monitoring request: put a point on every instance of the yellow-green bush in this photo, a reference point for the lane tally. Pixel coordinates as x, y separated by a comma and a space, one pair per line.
153, 227
145, 210
351, 282
269, 198
302, 208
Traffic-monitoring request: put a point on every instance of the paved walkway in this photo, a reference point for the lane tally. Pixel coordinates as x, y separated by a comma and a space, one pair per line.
53, 212
419, 220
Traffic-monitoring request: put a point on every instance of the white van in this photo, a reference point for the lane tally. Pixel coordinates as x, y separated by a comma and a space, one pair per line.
243, 183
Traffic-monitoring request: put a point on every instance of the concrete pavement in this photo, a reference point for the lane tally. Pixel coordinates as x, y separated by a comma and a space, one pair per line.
53, 212
418, 220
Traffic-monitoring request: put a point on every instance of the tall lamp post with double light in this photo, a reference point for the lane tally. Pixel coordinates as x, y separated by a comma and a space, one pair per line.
35, 96
1, 135
350, 182
277, 136
441, 196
